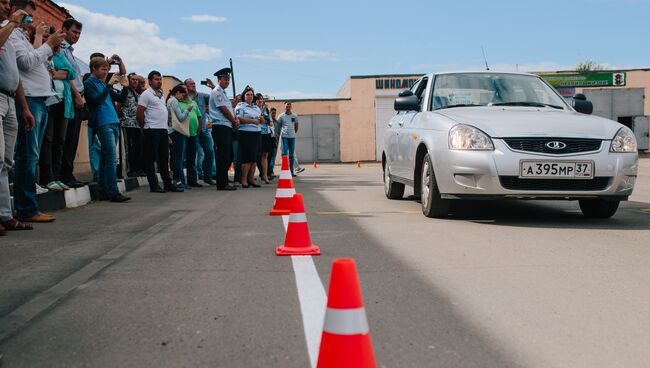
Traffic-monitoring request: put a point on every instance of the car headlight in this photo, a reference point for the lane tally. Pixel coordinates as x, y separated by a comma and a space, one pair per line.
624, 141
466, 137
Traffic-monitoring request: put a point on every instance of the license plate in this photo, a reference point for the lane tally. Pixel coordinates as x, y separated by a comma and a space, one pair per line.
558, 170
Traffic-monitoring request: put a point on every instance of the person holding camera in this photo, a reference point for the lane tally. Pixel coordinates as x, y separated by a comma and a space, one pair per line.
12, 97
37, 84
103, 119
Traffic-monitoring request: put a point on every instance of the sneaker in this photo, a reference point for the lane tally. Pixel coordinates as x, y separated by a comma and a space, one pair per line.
62, 186
53, 186
209, 182
300, 170
40, 190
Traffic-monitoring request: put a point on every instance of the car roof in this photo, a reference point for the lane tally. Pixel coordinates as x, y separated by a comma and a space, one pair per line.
482, 72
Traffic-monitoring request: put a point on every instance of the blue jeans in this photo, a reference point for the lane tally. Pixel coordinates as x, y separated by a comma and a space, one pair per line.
205, 155
179, 143
289, 148
27, 151
94, 153
108, 136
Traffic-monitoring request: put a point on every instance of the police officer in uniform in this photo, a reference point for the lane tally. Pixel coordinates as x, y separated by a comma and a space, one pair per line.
224, 122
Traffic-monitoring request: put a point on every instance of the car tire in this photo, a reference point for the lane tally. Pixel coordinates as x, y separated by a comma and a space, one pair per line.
432, 203
598, 208
392, 189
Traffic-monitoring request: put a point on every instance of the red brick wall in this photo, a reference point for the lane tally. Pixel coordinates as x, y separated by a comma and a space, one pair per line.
50, 13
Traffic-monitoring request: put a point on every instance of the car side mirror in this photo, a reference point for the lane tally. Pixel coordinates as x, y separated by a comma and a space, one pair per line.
407, 103
405, 93
582, 105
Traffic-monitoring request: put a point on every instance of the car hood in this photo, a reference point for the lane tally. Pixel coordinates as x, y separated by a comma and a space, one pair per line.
501, 122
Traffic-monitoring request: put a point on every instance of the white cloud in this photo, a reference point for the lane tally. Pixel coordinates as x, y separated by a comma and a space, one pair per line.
290, 55
135, 40
205, 18
295, 95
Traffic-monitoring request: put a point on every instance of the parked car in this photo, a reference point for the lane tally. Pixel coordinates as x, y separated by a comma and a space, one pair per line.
491, 135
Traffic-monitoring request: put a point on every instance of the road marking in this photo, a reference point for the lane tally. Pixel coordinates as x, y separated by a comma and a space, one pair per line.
15, 321
313, 300
352, 213
337, 213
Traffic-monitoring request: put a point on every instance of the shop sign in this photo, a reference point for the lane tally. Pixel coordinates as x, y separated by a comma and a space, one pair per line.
587, 79
402, 83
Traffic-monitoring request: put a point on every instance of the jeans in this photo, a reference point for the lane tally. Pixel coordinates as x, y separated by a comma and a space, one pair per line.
157, 149
272, 155
109, 136
289, 148
179, 143
222, 136
190, 160
28, 148
53, 142
8, 130
94, 153
205, 162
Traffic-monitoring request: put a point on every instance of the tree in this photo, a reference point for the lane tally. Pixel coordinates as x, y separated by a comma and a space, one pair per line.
590, 65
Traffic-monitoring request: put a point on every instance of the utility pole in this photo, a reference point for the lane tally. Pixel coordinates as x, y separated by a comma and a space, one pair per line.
232, 77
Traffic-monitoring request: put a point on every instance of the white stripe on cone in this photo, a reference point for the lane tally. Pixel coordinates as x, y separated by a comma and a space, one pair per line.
285, 175
298, 217
346, 321
285, 193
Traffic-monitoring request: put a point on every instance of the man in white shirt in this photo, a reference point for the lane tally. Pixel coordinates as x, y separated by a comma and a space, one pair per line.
152, 115
37, 84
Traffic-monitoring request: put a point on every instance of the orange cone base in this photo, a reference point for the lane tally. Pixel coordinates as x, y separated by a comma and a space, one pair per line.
311, 250
346, 351
275, 212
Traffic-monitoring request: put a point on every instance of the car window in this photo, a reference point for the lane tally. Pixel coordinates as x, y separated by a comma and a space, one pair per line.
419, 89
485, 89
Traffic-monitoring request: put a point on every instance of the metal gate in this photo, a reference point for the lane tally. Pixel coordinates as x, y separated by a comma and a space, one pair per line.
318, 138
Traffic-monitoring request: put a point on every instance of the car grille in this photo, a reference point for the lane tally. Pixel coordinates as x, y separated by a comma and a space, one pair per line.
570, 185
538, 145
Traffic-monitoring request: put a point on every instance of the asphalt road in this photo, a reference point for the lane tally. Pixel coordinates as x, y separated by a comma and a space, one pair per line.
191, 280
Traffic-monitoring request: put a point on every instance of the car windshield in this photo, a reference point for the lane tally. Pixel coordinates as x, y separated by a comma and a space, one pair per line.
493, 89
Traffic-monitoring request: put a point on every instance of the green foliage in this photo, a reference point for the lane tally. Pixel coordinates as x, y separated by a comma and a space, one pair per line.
589, 65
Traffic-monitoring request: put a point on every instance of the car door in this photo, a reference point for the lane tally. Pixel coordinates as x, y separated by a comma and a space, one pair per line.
390, 140
407, 130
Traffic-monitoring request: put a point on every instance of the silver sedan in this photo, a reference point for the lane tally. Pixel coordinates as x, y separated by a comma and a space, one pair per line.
488, 135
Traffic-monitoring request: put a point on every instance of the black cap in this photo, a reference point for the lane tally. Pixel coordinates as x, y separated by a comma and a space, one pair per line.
223, 72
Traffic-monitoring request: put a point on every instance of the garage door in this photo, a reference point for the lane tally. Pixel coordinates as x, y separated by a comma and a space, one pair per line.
384, 111
318, 138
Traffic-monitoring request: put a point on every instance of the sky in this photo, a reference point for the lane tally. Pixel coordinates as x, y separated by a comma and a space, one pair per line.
307, 49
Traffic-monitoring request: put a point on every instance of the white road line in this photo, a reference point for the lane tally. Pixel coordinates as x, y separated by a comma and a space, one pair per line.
313, 300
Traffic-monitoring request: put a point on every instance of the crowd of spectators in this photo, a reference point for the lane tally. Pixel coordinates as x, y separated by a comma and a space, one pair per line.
46, 93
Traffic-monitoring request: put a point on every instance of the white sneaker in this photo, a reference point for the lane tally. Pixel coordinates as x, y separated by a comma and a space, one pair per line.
40, 190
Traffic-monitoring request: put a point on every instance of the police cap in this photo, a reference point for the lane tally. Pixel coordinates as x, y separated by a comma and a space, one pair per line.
225, 72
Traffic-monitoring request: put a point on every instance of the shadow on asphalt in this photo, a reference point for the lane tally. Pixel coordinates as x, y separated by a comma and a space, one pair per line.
412, 323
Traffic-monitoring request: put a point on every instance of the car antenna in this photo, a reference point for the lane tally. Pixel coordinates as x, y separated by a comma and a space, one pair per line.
487, 67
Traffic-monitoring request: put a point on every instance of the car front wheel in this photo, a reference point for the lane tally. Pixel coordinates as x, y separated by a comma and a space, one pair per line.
432, 203
392, 189
598, 208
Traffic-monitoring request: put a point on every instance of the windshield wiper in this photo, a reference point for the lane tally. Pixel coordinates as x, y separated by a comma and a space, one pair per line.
459, 105
524, 103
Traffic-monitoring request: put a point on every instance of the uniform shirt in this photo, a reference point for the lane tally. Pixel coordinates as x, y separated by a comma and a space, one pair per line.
32, 65
266, 127
8, 67
155, 113
219, 98
67, 50
250, 111
288, 123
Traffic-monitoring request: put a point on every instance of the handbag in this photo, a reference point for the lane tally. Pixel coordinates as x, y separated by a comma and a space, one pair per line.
182, 127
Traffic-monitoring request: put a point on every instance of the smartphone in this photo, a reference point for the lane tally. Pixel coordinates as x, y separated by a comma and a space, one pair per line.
28, 19
115, 68
204, 83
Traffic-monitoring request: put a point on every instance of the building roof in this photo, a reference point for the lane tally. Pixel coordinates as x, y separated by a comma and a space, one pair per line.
59, 7
594, 71
386, 76
307, 99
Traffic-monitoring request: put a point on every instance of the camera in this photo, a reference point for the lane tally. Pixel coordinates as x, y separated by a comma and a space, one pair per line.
204, 82
115, 62
28, 19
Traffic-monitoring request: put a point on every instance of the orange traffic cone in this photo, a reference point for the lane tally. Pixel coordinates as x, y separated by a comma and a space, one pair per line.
346, 336
358, 164
315, 165
297, 242
284, 193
